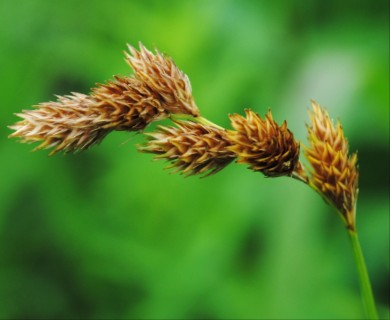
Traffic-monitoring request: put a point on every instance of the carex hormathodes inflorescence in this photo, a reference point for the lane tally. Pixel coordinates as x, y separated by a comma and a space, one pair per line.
193, 145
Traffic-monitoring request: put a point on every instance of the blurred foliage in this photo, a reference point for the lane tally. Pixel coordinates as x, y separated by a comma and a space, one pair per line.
109, 234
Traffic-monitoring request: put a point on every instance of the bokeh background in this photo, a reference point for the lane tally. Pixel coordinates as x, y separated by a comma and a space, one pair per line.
108, 233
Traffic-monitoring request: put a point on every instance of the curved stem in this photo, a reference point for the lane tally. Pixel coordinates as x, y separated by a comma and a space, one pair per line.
365, 284
299, 173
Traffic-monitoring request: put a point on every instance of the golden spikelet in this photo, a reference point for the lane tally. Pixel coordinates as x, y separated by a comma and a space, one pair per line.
263, 144
76, 122
335, 174
164, 78
193, 148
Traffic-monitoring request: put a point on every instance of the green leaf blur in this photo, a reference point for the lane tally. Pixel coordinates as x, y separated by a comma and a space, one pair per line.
108, 233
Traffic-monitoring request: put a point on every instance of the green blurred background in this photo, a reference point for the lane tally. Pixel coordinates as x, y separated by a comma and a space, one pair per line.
109, 234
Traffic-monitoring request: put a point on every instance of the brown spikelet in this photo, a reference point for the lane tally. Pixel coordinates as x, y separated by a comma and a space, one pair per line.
65, 125
164, 78
335, 174
263, 144
192, 148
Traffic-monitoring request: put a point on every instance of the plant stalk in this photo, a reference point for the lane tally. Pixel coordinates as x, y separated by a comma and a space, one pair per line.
365, 284
201, 120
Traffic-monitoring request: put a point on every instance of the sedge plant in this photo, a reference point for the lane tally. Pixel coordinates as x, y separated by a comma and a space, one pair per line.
193, 145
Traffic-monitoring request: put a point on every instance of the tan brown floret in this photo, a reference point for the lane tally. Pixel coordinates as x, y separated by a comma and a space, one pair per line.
164, 78
263, 144
192, 148
334, 173
65, 125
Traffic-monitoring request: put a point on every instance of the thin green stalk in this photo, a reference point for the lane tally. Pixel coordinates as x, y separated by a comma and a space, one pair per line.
365, 284
364, 280
201, 120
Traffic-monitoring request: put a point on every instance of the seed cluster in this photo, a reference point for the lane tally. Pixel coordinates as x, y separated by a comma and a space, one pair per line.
263, 144
334, 172
76, 122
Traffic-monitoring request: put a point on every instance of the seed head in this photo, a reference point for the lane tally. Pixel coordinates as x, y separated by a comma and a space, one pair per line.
192, 148
164, 78
263, 144
65, 125
334, 172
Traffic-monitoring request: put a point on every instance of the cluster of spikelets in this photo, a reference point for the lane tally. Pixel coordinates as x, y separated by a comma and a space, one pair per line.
157, 90
76, 122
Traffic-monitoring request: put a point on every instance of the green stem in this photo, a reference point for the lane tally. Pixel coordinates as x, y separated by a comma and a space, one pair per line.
200, 120
365, 285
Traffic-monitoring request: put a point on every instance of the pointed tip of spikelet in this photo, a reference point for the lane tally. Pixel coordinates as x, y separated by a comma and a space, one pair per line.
163, 77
